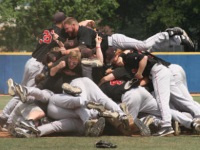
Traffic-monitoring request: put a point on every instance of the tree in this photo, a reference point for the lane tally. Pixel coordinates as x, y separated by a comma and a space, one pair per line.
25, 19
141, 19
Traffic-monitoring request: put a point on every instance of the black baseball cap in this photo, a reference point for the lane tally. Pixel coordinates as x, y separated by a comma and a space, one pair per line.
58, 17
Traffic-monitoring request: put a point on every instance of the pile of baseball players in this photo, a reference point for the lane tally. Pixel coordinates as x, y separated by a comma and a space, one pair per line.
81, 81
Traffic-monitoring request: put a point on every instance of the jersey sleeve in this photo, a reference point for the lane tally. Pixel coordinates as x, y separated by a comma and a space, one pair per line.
86, 37
121, 73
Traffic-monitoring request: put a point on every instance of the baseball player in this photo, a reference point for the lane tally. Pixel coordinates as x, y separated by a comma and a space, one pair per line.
85, 36
138, 99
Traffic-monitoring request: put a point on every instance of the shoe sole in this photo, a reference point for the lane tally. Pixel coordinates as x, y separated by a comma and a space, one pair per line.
34, 130
177, 130
124, 108
98, 107
71, 89
144, 130
20, 93
21, 134
11, 88
108, 114
98, 128
130, 83
148, 120
168, 134
188, 38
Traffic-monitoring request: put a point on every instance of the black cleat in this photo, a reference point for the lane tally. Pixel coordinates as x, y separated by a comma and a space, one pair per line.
164, 131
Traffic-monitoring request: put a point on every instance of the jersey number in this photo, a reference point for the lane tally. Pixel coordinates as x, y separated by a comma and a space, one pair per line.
116, 82
47, 37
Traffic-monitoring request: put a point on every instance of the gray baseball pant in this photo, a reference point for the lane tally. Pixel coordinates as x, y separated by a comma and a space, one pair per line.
57, 111
9, 107
139, 100
162, 81
183, 100
157, 41
62, 126
31, 69
91, 92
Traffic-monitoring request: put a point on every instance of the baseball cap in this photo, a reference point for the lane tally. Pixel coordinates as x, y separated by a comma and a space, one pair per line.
59, 17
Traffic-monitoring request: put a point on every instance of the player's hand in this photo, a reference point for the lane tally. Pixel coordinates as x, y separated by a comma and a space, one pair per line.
139, 76
62, 64
55, 35
98, 40
108, 71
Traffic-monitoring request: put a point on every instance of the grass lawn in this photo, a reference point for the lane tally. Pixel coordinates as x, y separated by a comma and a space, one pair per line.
183, 142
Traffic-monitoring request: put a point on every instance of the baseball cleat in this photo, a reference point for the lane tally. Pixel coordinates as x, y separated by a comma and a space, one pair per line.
91, 62
24, 133
97, 106
186, 41
94, 128
144, 129
102, 111
72, 90
21, 91
165, 131
132, 83
11, 87
174, 31
29, 125
148, 120
2, 121
124, 108
109, 114
176, 127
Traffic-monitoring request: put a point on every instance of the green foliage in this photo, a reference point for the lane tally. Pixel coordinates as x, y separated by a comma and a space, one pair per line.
142, 19
138, 19
30, 17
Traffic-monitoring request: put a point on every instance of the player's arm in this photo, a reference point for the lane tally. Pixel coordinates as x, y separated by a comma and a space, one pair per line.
57, 68
99, 53
107, 78
67, 51
142, 65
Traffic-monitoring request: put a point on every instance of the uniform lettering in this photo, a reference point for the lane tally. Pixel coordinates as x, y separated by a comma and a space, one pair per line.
47, 37
116, 82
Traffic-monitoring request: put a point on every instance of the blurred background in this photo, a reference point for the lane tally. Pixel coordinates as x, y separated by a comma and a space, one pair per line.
22, 21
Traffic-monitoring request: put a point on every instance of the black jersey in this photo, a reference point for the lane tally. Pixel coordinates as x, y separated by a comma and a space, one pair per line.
54, 83
131, 63
46, 43
115, 88
86, 36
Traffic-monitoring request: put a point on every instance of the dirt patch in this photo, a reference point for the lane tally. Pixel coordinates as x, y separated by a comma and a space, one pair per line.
5, 135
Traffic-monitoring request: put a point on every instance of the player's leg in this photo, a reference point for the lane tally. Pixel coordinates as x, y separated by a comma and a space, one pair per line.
180, 80
157, 41
32, 68
62, 126
161, 83
91, 92
67, 101
7, 110
161, 78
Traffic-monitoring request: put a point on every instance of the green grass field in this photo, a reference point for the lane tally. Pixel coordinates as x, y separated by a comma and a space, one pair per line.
183, 142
